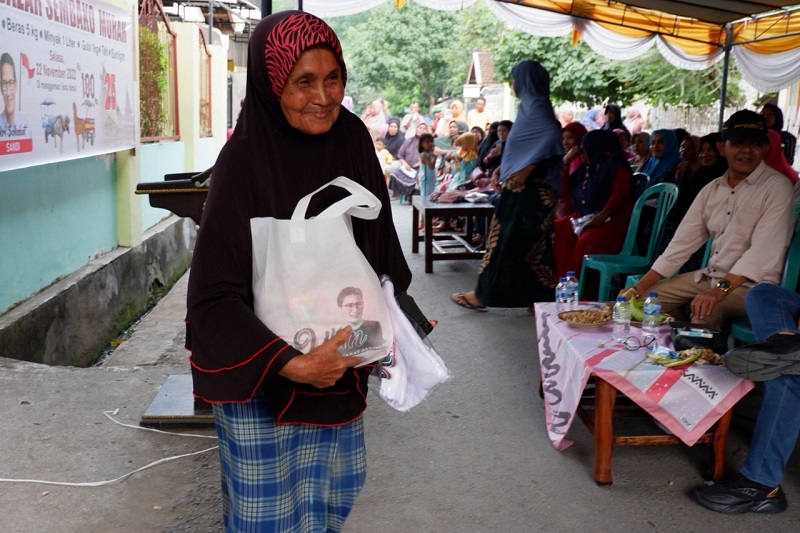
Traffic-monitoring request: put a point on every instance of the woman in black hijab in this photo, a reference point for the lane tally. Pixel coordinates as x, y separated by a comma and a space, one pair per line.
488, 141
613, 118
289, 424
394, 137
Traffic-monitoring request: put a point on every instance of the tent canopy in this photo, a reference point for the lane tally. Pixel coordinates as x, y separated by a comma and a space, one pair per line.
763, 36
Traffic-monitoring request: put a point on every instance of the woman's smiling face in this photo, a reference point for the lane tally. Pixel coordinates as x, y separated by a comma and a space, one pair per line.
313, 94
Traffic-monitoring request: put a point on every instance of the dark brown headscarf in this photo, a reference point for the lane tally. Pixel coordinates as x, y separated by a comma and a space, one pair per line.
262, 171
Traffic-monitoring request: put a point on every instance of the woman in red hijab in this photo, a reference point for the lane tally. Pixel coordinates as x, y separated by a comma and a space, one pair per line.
290, 426
776, 158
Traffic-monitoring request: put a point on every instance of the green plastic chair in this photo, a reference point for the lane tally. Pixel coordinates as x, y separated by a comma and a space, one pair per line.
741, 329
627, 262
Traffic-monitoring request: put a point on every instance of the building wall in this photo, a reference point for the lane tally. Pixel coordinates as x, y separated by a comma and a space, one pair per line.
157, 160
80, 250
53, 220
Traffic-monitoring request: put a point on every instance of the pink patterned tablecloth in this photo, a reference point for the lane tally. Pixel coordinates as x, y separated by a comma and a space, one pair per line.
687, 400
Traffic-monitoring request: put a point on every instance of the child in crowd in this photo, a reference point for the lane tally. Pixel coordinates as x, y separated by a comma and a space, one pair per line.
427, 167
465, 161
384, 156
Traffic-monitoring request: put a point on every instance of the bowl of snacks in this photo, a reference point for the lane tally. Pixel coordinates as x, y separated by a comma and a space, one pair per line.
589, 318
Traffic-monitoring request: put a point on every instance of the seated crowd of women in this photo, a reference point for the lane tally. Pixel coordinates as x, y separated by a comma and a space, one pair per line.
597, 179
598, 196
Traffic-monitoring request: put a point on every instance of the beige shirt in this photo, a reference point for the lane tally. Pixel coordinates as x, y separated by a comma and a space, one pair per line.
474, 118
751, 226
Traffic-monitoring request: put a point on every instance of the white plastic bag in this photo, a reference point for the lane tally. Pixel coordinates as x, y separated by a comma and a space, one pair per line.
310, 279
413, 369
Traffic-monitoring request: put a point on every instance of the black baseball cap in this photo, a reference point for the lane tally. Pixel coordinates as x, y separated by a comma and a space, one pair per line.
744, 126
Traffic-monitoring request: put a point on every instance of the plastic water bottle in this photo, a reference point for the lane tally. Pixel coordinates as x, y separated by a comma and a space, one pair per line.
572, 289
622, 319
652, 310
562, 297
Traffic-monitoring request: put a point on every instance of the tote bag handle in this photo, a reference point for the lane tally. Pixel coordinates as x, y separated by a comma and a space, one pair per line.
361, 203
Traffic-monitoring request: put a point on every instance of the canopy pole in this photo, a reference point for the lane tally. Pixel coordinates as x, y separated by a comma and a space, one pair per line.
723, 97
210, 20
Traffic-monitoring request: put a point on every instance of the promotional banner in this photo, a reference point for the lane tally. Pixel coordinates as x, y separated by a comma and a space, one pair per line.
67, 75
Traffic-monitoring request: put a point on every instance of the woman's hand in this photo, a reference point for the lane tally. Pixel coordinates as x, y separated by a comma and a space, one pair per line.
517, 180
496, 180
680, 170
322, 366
574, 152
597, 220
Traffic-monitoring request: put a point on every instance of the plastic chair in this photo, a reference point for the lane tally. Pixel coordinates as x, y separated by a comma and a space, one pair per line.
626, 262
741, 329
633, 279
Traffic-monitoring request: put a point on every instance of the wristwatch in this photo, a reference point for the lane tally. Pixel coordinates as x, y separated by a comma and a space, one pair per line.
724, 285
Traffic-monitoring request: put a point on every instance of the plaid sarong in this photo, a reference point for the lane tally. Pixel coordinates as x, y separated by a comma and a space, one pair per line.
286, 478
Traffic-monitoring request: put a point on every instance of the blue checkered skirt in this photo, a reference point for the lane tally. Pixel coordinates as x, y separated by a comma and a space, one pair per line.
286, 478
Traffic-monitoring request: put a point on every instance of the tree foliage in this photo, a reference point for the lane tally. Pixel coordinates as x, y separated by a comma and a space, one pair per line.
579, 74
153, 66
400, 55
421, 54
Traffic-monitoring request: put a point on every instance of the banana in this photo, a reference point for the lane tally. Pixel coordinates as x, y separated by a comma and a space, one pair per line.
671, 363
687, 361
637, 309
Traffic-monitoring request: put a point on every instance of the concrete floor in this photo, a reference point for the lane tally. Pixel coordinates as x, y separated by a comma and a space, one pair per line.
474, 457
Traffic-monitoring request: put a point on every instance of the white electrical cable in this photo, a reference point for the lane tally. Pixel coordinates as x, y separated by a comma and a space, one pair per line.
108, 482
109, 414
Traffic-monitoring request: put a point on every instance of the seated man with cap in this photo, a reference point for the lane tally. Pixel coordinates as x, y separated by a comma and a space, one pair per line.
748, 213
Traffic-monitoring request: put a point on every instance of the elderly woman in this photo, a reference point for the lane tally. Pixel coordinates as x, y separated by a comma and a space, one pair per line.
599, 193
290, 427
518, 266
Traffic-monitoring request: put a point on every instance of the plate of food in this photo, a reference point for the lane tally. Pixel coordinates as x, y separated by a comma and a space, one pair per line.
594, 317
688, 357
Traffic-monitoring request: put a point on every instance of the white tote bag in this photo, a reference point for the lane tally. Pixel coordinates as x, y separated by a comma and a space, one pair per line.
310, 279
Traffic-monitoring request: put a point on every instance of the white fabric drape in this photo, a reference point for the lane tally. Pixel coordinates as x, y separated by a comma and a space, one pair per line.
681, 59
533, 21
768, 72
446, 5
612, 45
339, 8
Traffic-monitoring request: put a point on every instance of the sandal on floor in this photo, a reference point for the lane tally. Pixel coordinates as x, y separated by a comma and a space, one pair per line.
461, 299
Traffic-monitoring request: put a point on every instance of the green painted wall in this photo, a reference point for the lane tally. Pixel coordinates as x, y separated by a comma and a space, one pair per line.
157, 160
53, 220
